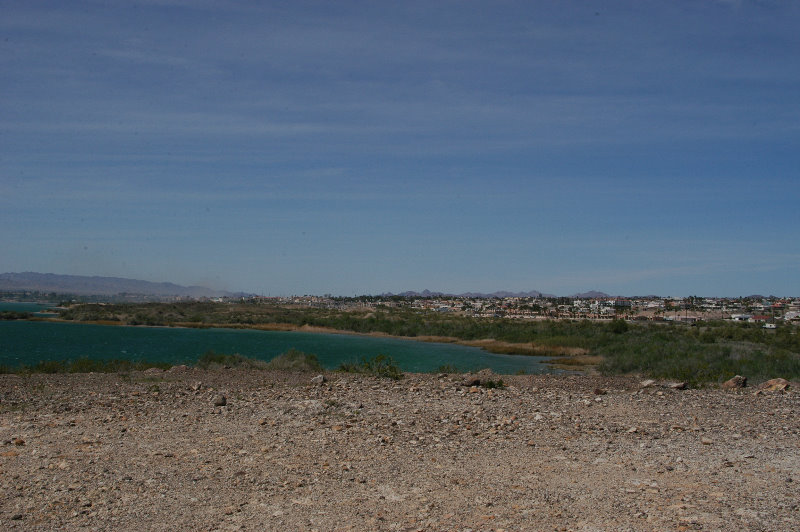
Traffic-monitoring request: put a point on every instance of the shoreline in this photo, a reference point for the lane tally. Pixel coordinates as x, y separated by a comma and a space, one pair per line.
565, 358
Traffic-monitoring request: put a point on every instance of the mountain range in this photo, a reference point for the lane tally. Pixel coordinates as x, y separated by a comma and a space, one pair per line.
114, 286
99, 286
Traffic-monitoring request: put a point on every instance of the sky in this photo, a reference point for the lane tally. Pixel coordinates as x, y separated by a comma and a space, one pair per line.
280, 148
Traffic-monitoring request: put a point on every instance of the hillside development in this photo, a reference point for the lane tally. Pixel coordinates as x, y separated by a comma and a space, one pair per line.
249, 449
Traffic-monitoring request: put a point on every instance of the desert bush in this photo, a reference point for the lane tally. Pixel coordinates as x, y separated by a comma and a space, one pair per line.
213, 360
294, 360
499, 384
379, 366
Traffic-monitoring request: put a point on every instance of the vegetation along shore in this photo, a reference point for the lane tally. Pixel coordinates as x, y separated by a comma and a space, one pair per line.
701, 353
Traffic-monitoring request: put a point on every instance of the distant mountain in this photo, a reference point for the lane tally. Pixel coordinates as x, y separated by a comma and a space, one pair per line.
99, 286
591, 294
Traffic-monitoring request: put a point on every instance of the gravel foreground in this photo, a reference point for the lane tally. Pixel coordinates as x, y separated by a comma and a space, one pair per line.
156, 451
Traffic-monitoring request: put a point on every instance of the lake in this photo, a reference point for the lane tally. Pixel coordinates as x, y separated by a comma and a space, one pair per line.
24, 306
27, 342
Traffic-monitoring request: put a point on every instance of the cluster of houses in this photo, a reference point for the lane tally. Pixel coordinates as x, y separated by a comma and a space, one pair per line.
686, 310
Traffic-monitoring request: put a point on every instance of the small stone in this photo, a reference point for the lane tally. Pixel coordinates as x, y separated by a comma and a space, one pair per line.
633, 430
678, 385
647, 383
220, 400
599, 391
196, 386
736, 382
19, 441
16, 517
319, 379
706, 441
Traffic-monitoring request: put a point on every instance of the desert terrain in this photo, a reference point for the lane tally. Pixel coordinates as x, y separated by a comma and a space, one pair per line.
255, 450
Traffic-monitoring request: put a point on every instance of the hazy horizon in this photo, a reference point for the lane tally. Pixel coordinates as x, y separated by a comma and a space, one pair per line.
368, 147
422, 291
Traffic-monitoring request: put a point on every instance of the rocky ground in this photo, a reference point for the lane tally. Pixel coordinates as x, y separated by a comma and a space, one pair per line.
159, 451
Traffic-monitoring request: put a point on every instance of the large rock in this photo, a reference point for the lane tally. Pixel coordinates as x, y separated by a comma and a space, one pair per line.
734, 383
479, 379
220, 400
775, 385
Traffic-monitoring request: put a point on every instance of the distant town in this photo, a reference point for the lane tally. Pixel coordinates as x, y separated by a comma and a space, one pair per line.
533, 305
766, 310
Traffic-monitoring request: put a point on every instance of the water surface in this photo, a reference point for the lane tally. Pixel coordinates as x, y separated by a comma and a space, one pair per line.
25, 342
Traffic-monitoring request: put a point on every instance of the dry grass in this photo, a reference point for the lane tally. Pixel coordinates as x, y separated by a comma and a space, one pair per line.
577, 360
529, 348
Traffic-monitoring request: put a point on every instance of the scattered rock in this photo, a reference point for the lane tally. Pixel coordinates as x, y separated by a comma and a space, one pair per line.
319, 379
291, 456
196, 386
736, 382
677, 385
220, 400
647, 383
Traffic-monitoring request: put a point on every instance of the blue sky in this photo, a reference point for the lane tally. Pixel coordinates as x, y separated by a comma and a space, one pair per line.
362, 147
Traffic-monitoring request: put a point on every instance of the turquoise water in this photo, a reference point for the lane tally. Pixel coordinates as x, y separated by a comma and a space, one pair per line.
25, 342
24, 306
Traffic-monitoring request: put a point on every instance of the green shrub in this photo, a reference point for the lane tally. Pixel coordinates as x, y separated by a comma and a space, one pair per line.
379, 366
294, 360
499, 384
618, 326
212, 360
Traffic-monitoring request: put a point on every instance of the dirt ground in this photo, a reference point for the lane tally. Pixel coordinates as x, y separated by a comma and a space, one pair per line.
157, 451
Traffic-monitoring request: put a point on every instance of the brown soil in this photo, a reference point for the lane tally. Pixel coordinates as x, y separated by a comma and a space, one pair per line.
151, 451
